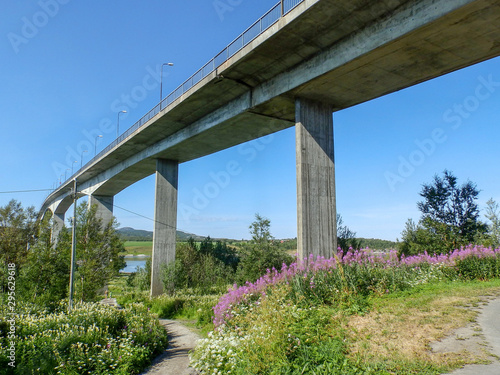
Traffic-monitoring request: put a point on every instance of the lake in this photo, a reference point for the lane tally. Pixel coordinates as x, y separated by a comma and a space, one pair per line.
133, 263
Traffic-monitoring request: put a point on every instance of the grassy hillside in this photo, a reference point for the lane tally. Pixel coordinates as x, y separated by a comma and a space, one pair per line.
131, 234
139, 247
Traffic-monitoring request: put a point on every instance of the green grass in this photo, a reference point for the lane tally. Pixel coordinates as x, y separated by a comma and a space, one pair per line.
398, 326
139, 247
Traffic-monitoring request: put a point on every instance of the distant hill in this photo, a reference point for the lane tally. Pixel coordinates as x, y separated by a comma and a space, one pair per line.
131, 234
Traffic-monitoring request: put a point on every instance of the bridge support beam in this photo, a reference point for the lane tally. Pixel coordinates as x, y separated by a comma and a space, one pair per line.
165, 226
57, 226
104, 207
316, 206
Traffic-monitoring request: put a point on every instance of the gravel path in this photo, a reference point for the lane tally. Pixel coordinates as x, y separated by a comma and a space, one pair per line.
175, 359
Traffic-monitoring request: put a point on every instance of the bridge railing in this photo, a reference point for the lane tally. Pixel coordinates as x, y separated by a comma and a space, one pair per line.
256, 29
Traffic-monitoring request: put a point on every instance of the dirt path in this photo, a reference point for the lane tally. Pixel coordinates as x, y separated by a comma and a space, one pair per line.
468, 338
175, 359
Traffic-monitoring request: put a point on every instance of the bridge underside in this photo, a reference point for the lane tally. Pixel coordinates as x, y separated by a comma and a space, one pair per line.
386, 54
329, 54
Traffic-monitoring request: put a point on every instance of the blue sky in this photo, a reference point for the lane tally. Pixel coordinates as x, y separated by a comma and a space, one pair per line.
67, 67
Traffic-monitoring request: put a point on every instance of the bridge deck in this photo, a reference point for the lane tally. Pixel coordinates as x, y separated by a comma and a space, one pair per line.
342, 52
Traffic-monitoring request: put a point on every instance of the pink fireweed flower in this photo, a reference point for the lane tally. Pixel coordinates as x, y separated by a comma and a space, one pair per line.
252, 292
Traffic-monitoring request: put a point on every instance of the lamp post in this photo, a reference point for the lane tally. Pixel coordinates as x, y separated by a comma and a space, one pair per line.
72, 165
73, 249
81, 158
118, 124
161, 80
65, 172
95, 144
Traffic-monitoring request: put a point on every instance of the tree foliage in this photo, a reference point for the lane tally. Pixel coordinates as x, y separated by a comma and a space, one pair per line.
346, 238
97, 252
450, 217
205, 268
18, 228
43, 267
493, 215
45, 274
261, 253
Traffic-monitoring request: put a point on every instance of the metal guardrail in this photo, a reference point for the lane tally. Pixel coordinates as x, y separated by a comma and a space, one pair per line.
256, 29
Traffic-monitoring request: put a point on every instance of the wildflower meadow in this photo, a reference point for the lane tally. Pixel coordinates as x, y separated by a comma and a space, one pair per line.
92, 339
287, 322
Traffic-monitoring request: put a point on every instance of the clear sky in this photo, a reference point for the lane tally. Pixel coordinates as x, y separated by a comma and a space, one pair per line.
68, 66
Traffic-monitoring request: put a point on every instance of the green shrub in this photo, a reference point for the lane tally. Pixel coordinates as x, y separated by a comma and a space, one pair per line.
141, 279
92, 339
276, 337
476, 268
184, 305
196, 269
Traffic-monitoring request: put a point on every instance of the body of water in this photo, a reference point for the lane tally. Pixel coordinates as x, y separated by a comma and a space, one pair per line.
133, 263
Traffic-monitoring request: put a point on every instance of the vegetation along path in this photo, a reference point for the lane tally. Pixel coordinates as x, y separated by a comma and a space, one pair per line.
175, 359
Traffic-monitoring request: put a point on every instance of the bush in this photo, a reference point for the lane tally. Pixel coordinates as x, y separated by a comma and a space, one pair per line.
196, 269
92, 339
141, 278
185, 304
259, 340
257, 260
476, 268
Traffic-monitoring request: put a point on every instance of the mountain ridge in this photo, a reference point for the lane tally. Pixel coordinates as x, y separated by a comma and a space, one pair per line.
132, 234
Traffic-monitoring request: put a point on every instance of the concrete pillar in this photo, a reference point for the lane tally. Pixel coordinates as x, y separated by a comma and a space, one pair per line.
104, 207
165, 227
57, 226
316, 208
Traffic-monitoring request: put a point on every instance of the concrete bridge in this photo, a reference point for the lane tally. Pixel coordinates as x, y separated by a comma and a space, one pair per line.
299, 63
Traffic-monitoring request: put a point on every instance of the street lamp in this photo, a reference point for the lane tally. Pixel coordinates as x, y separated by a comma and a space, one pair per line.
118, 123
95, 144
65, 172
81, 158
72, 165
161, 79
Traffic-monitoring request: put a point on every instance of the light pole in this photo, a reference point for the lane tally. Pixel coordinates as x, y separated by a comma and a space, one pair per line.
73, 250
118, 124
95, 144
72, 165
81, 158
161, 79
65, 172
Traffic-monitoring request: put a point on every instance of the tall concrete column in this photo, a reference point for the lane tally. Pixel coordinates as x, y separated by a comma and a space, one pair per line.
165, 227
104, 207
57, 226
316, 207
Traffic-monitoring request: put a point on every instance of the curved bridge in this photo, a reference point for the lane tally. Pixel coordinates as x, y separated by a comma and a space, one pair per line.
296, 65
